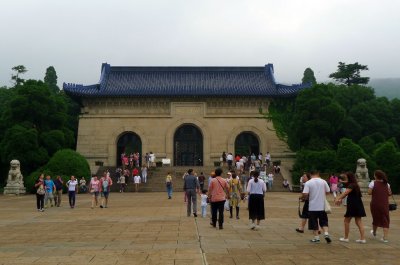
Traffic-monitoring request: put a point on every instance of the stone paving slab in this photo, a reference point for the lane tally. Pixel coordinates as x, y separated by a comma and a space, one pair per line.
147, 228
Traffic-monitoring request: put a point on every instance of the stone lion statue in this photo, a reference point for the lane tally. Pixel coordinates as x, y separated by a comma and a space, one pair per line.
15, 175
362, 170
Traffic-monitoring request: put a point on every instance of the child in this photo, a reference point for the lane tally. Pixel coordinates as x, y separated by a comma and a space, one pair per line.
204, 203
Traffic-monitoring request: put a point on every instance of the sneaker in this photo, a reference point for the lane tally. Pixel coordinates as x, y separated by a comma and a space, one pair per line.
237, 217
383, 240
328, 239
372, 233
299, 230
361, 241
315, 240
342, 239
252, 226
257, 227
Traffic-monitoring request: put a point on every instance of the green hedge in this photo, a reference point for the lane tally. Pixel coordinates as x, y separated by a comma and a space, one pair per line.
65, 163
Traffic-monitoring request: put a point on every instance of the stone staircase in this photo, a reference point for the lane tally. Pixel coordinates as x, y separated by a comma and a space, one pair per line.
156, 178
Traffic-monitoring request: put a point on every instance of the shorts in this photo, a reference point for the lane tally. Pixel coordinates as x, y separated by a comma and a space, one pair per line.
105, 194
95, 194
317, 219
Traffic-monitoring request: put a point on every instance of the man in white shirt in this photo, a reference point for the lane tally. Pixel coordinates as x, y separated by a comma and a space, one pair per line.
315, 190
229, 159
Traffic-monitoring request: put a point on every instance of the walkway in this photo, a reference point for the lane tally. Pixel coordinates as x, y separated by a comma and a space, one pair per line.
146, 228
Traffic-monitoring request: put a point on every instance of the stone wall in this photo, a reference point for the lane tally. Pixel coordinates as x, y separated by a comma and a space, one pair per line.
155, 120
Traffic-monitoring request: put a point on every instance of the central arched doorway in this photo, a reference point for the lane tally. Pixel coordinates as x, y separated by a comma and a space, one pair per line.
246, 143
188, 146
128, 142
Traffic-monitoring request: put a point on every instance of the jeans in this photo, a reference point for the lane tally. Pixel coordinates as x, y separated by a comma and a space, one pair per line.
71, 197
217, 207
57, 198
48, 196
191, 199
39, 201
169, 190
144, 178
204, 210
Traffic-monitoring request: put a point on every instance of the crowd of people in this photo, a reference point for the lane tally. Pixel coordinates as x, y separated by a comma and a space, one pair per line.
316, 207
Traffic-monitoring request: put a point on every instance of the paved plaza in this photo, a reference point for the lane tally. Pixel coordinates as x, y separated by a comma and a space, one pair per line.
147, 228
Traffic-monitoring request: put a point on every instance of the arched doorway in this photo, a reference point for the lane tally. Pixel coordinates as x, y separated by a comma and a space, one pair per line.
128, 142
247, 143
188, 146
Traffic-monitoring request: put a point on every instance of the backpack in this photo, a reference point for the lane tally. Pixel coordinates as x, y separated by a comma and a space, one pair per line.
105, 185
41, 190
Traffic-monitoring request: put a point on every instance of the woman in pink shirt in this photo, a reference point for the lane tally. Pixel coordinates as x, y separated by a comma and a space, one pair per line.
218, 193
94, 188
333, 181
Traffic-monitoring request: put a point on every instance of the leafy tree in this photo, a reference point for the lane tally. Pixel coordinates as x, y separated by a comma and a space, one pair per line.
51, 79
347, 155
16, 77
22, 143
309, 77
349, 74
387, 158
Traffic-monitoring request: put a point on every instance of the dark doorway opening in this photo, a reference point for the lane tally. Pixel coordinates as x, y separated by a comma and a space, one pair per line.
246, 143
128, 142
188, 146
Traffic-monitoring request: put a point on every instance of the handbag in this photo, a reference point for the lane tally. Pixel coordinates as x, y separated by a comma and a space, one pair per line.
393, 206
41, 190
327, 207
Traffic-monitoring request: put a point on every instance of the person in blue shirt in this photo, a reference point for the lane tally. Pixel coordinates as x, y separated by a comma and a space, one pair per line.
50, 189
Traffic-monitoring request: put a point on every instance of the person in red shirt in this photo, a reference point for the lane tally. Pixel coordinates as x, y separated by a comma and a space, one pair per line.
237, 158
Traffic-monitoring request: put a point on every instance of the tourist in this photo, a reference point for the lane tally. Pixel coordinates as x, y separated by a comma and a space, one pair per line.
118, 173
50, 189
40, 192
315, 190
244, 180
268, 159
147, 159
257, 164
105, 186
304, 213
239, 166
270, 180
82, 185
277, 169
136, 158
302, 181
122, 183
212, 175
135, 172
333, 182
204, 203
256, 189
125, 161
144, 174
355, 207
229, 159
94, 188
168, 184
253, 157
152, 159
137, 181
235, 190
59, 183
223, 158
380, 191
191, 187
72, 185
218, 193
202, 180
285, 184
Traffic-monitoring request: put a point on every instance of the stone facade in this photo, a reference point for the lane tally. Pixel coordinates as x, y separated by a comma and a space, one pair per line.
155, 120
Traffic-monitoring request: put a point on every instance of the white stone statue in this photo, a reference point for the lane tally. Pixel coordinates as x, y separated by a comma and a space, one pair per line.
362, 174
15, 181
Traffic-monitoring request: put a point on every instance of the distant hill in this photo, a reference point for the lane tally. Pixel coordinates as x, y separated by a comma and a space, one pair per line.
386, 87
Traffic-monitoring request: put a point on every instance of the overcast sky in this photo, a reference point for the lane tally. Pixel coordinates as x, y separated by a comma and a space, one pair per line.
76, 36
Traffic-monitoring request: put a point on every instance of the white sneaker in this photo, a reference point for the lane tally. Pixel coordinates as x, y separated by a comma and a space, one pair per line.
372, 233
257, 227
252, 226
342, 239
384, 240
361, 241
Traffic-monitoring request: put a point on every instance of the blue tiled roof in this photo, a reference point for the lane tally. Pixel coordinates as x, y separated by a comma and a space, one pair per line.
116, 81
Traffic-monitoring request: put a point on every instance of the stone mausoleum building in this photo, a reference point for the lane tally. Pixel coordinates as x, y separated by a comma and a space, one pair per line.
189, 115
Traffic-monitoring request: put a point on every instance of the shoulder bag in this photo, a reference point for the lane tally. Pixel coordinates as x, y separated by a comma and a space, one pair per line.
393, 206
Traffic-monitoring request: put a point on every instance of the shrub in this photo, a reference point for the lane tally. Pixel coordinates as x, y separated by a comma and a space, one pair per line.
64, 163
